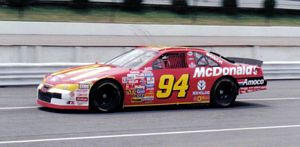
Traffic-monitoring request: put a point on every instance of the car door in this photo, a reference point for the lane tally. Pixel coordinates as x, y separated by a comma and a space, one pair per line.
171, 77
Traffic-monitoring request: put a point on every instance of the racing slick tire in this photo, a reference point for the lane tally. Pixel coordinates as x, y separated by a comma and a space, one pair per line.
223, 93
106, 96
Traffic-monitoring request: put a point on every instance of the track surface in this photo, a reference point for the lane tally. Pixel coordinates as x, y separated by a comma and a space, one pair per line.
269, 118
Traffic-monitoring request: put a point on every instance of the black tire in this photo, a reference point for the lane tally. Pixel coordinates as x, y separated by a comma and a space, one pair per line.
106, 96
223, 93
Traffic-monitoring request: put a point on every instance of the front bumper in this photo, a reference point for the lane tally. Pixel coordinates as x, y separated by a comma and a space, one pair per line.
57, 98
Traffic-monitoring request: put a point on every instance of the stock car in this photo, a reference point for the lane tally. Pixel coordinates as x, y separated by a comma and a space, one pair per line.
148, 76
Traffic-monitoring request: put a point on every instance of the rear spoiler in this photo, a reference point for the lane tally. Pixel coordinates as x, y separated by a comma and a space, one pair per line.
246, 61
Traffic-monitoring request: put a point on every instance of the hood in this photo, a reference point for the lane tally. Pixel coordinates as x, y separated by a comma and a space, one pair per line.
87, 73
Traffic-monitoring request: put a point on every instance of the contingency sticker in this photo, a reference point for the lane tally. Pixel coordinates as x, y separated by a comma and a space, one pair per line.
201, 86
140, 85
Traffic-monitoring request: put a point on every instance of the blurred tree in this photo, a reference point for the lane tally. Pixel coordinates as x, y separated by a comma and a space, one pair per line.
17, 3
180, 6
80, 4
230, 6
269, 7
20, 5
132, 5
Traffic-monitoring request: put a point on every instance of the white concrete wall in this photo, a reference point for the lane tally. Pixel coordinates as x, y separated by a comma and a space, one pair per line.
108, 29
45, 42
42, 54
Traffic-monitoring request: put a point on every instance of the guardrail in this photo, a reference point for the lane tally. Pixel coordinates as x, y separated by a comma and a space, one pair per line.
21, 74
282, 70
281, 4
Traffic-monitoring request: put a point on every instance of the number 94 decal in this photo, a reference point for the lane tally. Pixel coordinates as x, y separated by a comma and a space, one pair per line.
167, 84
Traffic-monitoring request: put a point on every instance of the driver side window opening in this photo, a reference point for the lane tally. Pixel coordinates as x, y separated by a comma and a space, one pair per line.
202, 60
170, 61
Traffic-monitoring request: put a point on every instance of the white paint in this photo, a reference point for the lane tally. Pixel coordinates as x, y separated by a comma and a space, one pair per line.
91, 73
15, 108
150, 134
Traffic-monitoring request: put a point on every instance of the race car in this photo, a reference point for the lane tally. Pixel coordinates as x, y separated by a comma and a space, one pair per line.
148, 76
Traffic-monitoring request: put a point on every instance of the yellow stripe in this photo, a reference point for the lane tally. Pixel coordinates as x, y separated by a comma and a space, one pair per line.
182, 103
75, 70
69, 87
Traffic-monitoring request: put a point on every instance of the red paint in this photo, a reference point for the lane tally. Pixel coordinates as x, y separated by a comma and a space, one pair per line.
48, 105
118, 73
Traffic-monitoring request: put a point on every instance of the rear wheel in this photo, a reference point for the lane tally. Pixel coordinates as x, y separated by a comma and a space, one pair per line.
223, 93
105, 96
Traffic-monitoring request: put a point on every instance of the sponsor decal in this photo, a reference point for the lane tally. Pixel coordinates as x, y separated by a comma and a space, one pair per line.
139, 76
201, 98
130, 92
81, 93
192, 65
149, 93
142, 82
148, 73
149, 85
133, 81
251, 89
150, 89
140, 85
83, 99
84, 86
216, 58
147, 99
217, 71
252, 82
140, 95
140, 91
150, 80
136, 99
201, 92
201, 85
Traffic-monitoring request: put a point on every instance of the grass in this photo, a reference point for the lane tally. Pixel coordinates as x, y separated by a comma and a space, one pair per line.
63, 14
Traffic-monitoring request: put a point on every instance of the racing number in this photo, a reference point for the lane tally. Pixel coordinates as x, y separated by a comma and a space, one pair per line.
166, 86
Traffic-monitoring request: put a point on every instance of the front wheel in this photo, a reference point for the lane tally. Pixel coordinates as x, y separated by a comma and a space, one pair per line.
223, 93
105, 96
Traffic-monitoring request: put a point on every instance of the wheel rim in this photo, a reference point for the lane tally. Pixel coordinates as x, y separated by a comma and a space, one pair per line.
106, 97
225, 93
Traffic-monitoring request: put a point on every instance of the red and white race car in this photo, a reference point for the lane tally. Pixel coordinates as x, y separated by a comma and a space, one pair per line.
150, 77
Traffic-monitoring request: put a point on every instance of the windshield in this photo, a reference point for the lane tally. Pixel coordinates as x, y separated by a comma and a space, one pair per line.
133, 59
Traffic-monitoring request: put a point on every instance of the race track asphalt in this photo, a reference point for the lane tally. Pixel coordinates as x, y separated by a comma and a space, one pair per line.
267, 118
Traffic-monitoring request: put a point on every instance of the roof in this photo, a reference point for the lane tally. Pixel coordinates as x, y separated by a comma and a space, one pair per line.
171, 48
